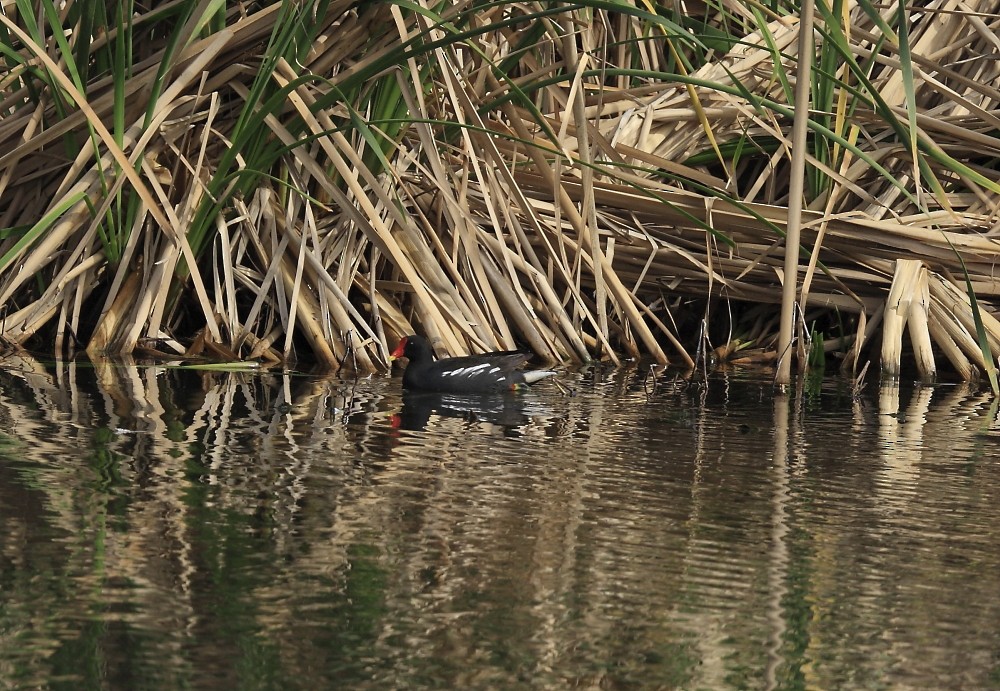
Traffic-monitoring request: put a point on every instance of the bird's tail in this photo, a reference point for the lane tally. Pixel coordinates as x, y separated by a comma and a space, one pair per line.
531, 376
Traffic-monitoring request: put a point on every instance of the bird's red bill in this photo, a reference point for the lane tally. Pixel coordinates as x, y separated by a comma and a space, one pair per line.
398, 352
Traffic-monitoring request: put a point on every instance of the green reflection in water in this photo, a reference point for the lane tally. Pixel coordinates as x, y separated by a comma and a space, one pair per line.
236, 539
231, 549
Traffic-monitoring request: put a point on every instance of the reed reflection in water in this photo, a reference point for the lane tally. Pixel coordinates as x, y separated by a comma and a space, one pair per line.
164, 527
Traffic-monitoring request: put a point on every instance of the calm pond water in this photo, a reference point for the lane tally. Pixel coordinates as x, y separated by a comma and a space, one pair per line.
168, 528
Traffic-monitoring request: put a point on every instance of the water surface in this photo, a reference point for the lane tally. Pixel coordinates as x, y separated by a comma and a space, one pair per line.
170, 528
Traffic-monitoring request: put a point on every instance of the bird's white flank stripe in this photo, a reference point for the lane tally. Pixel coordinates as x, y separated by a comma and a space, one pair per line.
466, 371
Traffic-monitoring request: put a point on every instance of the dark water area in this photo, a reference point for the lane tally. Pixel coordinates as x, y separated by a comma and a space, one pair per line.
174, 528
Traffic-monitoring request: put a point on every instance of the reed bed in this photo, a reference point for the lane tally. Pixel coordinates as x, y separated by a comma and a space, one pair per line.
278, 181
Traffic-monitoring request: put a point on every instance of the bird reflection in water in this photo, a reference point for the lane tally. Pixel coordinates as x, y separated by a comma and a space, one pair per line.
506, 410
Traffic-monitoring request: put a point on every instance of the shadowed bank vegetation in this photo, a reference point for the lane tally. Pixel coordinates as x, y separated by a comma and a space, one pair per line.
313, 180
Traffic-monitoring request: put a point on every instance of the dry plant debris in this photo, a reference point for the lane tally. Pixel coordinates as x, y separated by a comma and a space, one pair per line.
278, 180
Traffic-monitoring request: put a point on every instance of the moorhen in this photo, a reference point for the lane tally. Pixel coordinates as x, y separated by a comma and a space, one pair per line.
472, 374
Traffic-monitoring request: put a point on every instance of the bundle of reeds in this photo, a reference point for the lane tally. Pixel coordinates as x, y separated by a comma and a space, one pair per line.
262, 179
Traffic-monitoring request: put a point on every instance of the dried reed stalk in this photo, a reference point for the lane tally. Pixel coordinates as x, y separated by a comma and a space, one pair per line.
577, 181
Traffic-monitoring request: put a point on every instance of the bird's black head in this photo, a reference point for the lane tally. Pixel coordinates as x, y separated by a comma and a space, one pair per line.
413, 348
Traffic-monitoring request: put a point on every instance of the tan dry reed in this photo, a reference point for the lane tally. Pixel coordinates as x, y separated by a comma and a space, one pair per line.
575, 203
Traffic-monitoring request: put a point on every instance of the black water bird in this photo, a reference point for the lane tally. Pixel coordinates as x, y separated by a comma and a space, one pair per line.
470, 374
